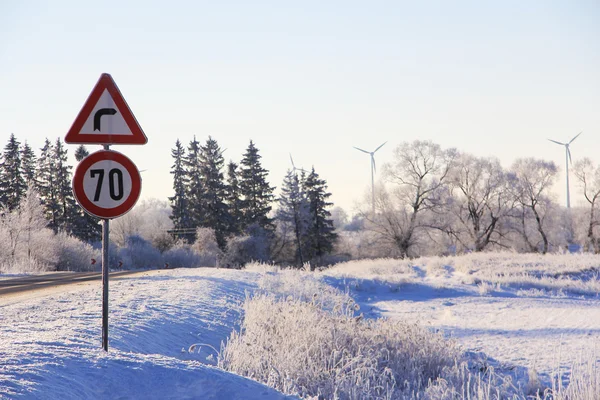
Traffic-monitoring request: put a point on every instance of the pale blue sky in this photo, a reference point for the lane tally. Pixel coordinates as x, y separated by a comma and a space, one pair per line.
312, 78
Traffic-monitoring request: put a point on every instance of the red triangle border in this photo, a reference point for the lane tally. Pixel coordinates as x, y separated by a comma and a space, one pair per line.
106, 82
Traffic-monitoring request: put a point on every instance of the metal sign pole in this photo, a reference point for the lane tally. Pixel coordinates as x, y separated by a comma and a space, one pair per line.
105, 268
105, 284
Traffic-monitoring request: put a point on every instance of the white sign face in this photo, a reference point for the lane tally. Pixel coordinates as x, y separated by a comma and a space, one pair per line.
107, 184
106, 118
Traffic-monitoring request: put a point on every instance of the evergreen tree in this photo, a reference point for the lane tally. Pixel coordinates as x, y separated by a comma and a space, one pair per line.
81, 153
321, 232
47, 188
233, 199
294, 211
256, 192
28, 165
69, 211
179, 201
194, 189
12, 183
214, 190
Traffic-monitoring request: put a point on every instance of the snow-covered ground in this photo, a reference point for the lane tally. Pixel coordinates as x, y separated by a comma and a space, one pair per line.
531, 319
50, 344
166, 326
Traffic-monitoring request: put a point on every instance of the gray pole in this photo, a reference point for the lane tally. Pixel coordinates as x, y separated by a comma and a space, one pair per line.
105, 268
105, 284
373, 185
567, 164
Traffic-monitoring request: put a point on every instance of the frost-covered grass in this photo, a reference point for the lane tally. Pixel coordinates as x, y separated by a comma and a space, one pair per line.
302, 336
304, 348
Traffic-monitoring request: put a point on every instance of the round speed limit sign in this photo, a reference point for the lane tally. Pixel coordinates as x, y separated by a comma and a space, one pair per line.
107, 184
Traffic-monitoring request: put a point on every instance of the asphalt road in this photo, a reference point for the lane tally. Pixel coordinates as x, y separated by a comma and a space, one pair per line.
36, 282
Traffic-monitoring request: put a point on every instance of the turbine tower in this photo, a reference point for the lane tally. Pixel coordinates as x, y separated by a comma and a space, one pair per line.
567, 161
373, 168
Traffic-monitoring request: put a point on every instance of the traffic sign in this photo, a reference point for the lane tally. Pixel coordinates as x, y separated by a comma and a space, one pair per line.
105, 118
107, 184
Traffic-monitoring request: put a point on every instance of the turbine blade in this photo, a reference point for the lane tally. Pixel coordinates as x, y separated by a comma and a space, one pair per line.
373, 163
379, 147
576, 136
364, 151
569, 154
292, 160
554, 141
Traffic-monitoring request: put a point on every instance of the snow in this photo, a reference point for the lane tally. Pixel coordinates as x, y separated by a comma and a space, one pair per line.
50, 345
533, 328
166, 326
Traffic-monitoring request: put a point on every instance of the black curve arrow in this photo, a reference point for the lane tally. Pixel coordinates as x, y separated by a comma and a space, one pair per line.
100, 113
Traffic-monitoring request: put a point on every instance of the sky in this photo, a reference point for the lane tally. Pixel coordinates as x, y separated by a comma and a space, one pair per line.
311, 79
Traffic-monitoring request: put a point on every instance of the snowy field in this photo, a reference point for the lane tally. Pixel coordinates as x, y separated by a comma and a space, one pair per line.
524, 315
532, 311
50, 344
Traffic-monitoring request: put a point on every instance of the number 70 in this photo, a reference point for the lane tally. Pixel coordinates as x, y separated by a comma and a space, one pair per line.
115, 189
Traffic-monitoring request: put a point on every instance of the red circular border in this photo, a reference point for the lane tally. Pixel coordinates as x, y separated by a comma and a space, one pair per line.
81, 170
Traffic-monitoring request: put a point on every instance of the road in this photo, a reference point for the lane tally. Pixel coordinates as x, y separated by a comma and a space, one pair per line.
36, 282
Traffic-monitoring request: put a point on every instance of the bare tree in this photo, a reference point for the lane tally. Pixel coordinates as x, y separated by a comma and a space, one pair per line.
534, 178
480, 201
418, 177
589, 179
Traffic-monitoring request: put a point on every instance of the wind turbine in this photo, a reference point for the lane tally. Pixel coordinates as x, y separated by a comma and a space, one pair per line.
373, 168
294, 169
567, 161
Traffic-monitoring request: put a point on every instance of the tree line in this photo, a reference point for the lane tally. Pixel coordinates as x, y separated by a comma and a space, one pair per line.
236, 202
440, 201
50, 176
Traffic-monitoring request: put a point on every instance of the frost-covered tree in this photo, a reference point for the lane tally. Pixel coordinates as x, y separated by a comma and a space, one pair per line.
418, 176
534, 179
321, 233
481, 201
588, 176
180, 214
257, 194
216, 216
28, 164
12, 182
294, 215
233, 199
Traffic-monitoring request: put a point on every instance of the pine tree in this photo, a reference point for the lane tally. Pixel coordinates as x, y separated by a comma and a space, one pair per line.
321, 231
69, 211
179, 201
213, 195
28, 165
81, 153
194, 189
294, 211
12, 183
233, 199
256, 192
47, 188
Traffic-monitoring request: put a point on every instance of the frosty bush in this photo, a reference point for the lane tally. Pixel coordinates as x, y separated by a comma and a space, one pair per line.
299, 348
183, 256
73, 254
139, 253
308, 339
206, 246
247, 248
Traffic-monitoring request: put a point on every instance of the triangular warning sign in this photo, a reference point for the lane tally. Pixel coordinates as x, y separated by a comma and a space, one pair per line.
106, 118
